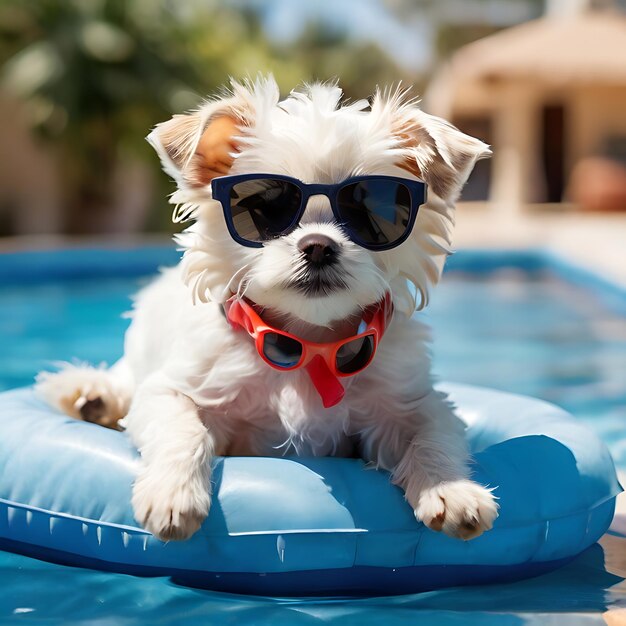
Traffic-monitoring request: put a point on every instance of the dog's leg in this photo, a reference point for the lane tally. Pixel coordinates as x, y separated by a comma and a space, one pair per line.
97, 395
427, 455
172, 493
435, 477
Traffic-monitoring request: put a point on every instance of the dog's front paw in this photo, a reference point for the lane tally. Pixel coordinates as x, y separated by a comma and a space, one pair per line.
170, 510
85, 393
459, 508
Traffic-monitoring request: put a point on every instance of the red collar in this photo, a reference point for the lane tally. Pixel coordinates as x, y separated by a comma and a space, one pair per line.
325, 363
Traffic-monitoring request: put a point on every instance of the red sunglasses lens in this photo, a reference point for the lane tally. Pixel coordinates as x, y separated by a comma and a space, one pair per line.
281, 351
355, 355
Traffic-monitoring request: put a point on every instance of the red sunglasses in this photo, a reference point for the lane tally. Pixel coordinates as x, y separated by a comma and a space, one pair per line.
325, 362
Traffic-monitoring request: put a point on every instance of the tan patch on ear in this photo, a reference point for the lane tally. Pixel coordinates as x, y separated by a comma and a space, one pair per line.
409, 164
431, 167
213, 156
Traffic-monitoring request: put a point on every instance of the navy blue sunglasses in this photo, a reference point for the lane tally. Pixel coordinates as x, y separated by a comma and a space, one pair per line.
376, 212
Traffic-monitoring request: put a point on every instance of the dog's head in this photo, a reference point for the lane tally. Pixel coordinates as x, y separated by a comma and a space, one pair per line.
314, 137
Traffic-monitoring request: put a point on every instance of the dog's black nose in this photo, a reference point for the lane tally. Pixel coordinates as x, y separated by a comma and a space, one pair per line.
319, 249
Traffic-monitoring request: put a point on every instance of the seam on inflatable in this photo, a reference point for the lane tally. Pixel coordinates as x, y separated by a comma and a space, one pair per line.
85, 520
297, 531
418, 543
140, 531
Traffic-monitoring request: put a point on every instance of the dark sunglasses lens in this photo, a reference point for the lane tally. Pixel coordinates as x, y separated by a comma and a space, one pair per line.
264, 208
376, 212
355, 355
281, 351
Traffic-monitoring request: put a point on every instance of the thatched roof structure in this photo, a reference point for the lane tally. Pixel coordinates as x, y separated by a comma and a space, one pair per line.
547, 94
589, 47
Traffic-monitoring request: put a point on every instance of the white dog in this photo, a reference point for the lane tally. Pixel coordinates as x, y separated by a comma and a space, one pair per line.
193, 387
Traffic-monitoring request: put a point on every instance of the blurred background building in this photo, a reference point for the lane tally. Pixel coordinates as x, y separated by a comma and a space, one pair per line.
550, 96
82, 82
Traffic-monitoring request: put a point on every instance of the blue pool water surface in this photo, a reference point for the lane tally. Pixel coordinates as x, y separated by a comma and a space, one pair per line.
500, 321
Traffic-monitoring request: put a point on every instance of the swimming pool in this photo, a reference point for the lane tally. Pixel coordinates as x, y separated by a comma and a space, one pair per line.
522, 322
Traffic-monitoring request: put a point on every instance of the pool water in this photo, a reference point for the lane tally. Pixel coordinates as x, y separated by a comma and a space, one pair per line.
537, 335
514, 326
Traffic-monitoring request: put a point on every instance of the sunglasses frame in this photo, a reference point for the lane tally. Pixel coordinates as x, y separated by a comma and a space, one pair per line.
238, 312
222, 185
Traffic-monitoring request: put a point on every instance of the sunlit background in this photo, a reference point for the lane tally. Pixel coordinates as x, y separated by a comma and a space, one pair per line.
82, 82
534, 303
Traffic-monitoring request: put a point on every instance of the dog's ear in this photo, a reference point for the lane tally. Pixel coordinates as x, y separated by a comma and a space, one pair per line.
196, 147
438, 152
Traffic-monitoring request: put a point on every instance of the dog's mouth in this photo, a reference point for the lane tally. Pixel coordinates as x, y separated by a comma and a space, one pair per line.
317, 283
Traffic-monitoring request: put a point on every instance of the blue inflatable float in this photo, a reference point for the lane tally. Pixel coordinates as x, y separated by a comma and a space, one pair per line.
308, 526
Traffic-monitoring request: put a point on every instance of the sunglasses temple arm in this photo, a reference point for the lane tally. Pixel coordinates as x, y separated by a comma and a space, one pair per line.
327, 385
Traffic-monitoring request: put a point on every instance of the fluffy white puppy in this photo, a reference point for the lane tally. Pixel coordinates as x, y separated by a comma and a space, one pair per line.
192, 387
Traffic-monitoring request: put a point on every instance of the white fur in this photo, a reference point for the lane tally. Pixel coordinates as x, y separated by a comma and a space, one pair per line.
200, 389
